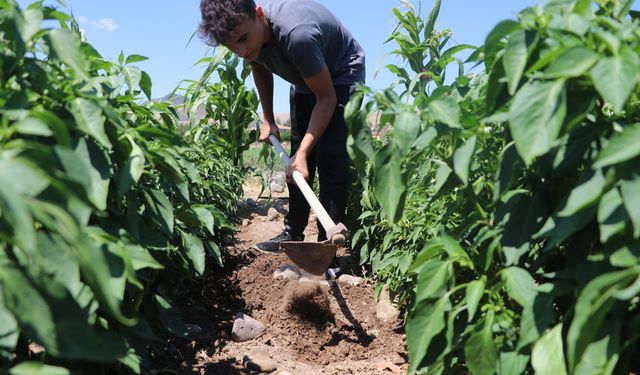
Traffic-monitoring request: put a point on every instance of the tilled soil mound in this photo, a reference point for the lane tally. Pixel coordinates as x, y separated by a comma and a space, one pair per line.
312, 328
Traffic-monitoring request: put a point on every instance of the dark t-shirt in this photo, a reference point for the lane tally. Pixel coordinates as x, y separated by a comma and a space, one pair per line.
306, 36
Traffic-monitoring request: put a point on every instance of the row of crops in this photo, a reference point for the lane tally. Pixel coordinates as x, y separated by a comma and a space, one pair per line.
502, 208
109, 206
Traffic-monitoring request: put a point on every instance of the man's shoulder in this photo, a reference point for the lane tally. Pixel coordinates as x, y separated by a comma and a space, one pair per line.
287, 15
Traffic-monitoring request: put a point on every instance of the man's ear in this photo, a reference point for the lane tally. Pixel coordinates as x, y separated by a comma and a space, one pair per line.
259, 12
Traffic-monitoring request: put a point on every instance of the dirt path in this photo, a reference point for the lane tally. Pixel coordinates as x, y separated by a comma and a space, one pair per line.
337, 332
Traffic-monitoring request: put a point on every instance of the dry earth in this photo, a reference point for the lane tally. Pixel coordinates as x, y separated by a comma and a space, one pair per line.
333, 329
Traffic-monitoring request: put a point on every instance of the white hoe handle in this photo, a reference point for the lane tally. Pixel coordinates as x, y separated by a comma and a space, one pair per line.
315, 204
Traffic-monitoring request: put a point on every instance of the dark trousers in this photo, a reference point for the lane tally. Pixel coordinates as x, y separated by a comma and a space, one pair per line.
329, 156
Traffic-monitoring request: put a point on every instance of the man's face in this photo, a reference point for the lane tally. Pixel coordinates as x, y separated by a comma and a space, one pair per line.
247, 38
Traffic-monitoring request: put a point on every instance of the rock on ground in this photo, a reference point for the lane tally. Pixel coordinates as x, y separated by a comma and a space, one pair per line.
259, 362
276, 187
246, 328
273, 214
385, 310
351, 280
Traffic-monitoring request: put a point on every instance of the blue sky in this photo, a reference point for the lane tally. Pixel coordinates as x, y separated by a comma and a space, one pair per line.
160, 30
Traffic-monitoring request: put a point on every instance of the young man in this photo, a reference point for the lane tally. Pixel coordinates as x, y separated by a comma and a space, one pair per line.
305, 44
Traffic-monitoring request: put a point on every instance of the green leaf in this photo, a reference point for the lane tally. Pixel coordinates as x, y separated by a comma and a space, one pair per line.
425, 139
133, 168
462, 159
23, 177
33, 126
145, 84
430, 23
602, 355
445, 109
572, 63
194, 251
103, 271
536, 318
620, 148
405, 131
206, 218
59, 127
547, 356
612, 216
480, 350
432, 280
474, 293
585, 195
615, 77
141, 258
455, 251
593, 305
160, 209
558, 228
524, 216
48, 315
29, 24
536, 116
430, 250
520, 285
132, 75
630, 189
214, 250
425, 321
493, 44
16, 214
513, 362
65, 46
9, 330
515, 58
90, 120
135, 58
390, 183
443, 177
37, 368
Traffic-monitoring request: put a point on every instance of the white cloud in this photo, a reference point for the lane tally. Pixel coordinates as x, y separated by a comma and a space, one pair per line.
108, 24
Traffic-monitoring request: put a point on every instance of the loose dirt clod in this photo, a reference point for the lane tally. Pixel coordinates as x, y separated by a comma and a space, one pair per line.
309, 302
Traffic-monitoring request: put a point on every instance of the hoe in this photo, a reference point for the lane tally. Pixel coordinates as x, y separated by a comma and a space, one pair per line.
312, 257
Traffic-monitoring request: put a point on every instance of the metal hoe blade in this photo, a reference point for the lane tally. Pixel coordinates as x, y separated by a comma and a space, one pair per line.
312, 257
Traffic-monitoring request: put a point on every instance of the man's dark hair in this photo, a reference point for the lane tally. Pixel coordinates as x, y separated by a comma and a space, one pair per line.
220, 17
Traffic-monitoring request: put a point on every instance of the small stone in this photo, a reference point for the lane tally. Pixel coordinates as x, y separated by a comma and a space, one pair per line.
251, 202
246, 328
276, 187
385, 310
259, 362
273, 214
287, 272
245, 222
351, 280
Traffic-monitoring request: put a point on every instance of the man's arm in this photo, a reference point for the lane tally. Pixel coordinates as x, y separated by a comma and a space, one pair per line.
263, 79
322, 87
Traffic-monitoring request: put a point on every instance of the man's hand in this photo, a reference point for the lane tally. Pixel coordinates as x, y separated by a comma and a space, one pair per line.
298, 163
268, 129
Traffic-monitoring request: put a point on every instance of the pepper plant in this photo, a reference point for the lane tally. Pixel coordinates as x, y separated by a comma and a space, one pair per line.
522, 186
105, 208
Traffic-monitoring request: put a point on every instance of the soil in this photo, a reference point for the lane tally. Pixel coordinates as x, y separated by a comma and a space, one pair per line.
312, 328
